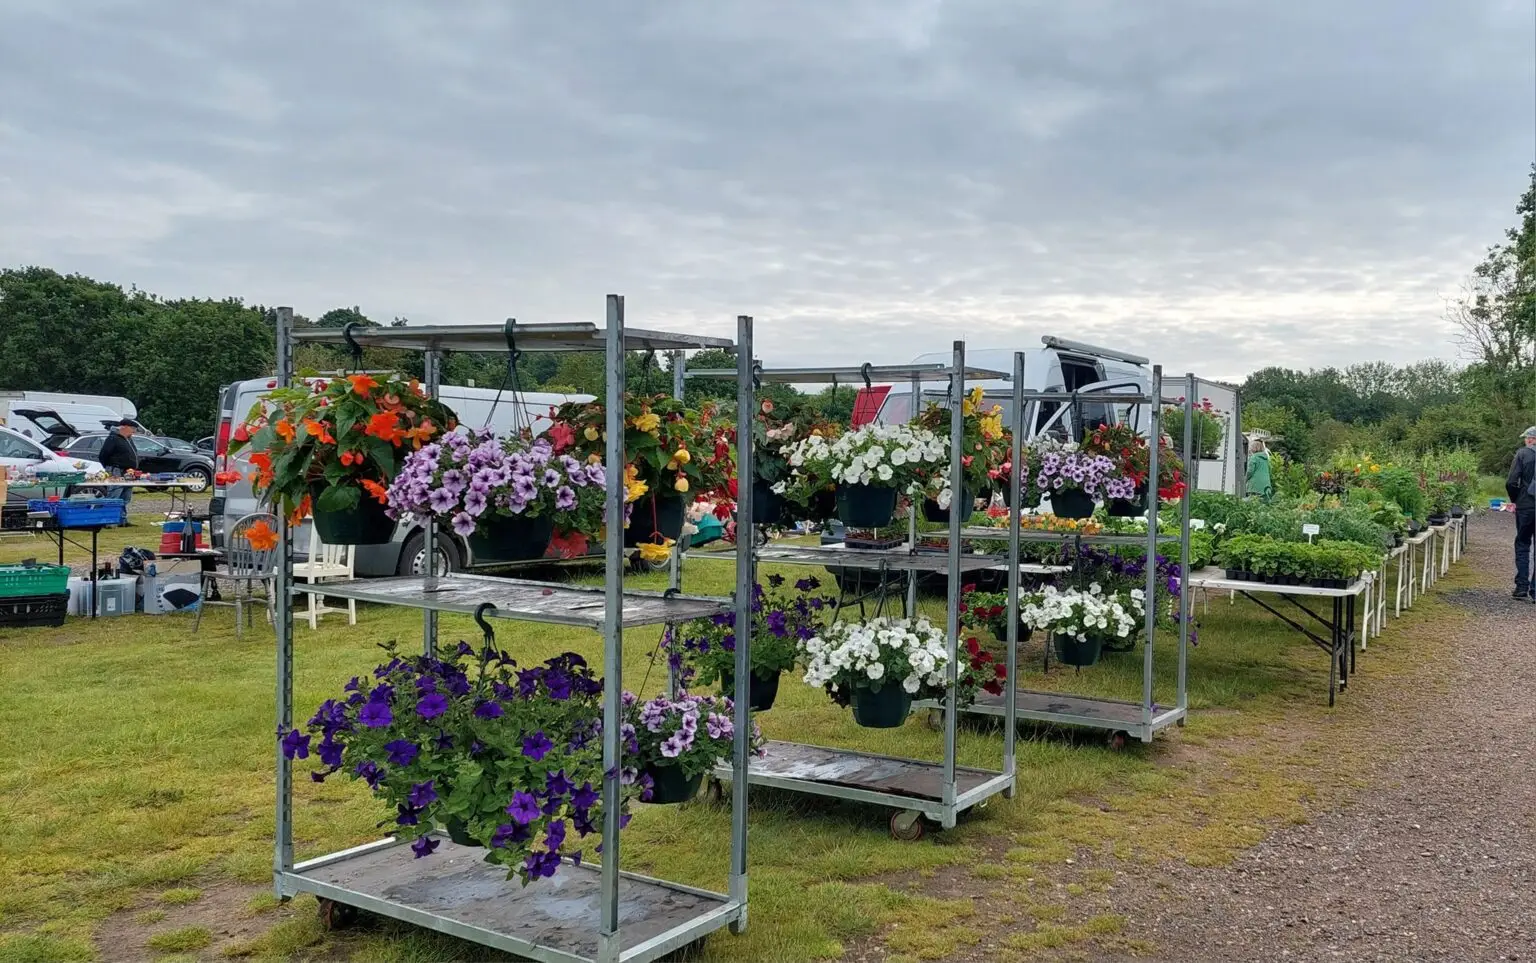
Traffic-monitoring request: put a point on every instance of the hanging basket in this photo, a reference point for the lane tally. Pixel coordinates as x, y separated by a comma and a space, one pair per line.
363, 524
933, 513
511, 538
767, 505
1069, 651
761, 692
654, 515
669, 785
866, 506
459, 833
884, 708
1128, 507
1071, 503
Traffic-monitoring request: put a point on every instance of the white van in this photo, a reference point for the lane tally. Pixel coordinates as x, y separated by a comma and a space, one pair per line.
120, 406
405, 553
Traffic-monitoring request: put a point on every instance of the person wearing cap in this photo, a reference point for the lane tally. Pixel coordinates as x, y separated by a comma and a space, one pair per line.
118, 455
1518, 487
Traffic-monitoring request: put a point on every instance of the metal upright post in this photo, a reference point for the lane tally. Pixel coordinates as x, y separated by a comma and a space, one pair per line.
1154, 444
432, 362
282, 857
1184, 589
917, 397
609, 948
675, 561
745, 582
952, 617
1011, 658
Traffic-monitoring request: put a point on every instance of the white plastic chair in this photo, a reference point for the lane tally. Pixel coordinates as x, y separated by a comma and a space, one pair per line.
325, 562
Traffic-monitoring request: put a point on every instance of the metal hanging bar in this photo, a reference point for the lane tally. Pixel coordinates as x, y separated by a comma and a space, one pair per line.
282, 858
609, 949
746, 581
952, 616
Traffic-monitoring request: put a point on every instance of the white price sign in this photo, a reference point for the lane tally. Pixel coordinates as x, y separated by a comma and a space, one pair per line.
1310, 530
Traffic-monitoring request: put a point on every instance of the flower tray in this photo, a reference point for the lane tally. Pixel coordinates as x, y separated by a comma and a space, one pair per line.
82, 512
870, 542
21, 581
34, 611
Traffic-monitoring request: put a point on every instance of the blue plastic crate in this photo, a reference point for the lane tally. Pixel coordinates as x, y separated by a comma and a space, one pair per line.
82, 512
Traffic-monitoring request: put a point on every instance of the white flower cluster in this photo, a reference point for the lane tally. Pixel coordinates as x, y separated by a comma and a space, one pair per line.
1081, 614
857, 654
890, 455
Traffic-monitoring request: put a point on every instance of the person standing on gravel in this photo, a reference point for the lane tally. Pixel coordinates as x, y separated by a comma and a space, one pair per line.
1518, 487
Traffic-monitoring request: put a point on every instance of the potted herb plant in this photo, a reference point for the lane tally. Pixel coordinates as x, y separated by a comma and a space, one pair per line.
332, 448
870, 466
505, 497
505, 758
704, 651
1079, 622
877, 666
676, 741
1073, 479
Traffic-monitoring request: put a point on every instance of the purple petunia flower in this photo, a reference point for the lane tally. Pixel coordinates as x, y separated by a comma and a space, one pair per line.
369, 772
565, 498
376, 715
537, 746
541, 865
584, 797
432, 705
524, 808
554, 835
441, 500
407, 816
488, 710
596, 475
557, 785
475, 503
454, 481
295, 745
464, 524
508, 833
402, 752
330, 753
422, 794
424, 846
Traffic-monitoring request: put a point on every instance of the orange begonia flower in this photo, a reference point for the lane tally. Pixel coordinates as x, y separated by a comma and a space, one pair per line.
384, 425
261, 536
376, 490
319, 431
299, 514
285, 429
362, 384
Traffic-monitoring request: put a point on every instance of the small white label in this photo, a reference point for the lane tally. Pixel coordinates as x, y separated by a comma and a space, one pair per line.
1309, 530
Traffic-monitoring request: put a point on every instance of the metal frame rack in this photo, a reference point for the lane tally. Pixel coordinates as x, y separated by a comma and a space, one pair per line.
1123, 719
575, 916
916, 788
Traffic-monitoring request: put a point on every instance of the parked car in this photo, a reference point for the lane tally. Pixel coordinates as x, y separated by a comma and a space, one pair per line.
154, 456
175, 444
19, 453
206, 444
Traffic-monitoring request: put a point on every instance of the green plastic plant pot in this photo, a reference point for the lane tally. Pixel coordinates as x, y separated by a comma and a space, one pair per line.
1069, 651
767, 505
669, 785
363, 524
866, 506
761, 692
1071, 503
654, 515
511, 538
933, 513
883, 708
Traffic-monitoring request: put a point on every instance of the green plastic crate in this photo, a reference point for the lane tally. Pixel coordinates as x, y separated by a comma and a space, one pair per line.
18, 580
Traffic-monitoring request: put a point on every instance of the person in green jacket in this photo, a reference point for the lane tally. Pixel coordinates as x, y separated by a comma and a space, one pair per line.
1259, 480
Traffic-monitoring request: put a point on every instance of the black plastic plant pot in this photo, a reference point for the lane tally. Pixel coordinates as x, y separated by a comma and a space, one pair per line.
1069, 651
669, 785
1458, 512
1126, 508
654, 515
761, 692
883, 708
1071, 503
459, 833
866, 506
511, 538
1438, 520
363, 524
767, 505
933, 513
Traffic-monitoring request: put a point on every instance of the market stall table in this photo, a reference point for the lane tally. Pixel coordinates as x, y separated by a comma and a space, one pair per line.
48, 524
182, 489
1413, 547
1341, 627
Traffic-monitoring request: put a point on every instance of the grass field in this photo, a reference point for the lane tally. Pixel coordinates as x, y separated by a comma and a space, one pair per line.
136, 788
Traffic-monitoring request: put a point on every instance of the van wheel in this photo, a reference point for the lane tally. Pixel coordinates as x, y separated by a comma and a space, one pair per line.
413, 555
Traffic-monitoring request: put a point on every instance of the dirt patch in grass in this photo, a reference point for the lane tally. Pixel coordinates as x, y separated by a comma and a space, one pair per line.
234, 917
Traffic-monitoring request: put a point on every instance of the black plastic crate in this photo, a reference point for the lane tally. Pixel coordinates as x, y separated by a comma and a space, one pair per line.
31, 611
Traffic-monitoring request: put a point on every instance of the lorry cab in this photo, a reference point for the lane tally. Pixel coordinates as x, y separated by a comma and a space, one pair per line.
1096, 373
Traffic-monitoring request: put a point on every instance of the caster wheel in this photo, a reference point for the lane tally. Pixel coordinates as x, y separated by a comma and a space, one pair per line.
936, 719
1117, 740
907, 826
336, 916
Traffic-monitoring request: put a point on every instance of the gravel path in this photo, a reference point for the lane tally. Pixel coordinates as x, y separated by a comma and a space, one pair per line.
1435, 861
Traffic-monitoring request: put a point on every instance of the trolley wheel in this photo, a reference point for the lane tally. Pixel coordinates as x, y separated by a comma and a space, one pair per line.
336, 916
936, 719
1117, 740
907, 826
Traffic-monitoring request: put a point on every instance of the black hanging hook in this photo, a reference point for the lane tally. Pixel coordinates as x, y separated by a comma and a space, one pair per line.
757, 375
509, 330
485, 627
865, 372
352, 345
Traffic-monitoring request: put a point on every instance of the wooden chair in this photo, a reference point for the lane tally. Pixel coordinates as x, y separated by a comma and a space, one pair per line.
325, 562
245, 566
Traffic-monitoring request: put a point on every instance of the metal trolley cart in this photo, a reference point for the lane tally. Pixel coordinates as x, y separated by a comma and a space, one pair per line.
915, 788
1122, 719
576, 915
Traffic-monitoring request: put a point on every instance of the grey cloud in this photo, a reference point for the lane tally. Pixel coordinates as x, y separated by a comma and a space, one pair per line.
1222, 186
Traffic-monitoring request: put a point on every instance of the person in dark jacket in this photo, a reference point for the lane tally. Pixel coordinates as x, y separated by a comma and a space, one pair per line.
118, 455
1518, 487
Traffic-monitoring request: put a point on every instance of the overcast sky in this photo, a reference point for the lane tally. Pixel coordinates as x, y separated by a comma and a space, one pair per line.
1222, 185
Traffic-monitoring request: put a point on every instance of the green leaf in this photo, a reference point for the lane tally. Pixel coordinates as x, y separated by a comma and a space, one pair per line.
339, 498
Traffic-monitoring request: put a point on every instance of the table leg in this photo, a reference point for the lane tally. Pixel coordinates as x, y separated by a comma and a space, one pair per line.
95, 601
1349, 631
1333, 659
